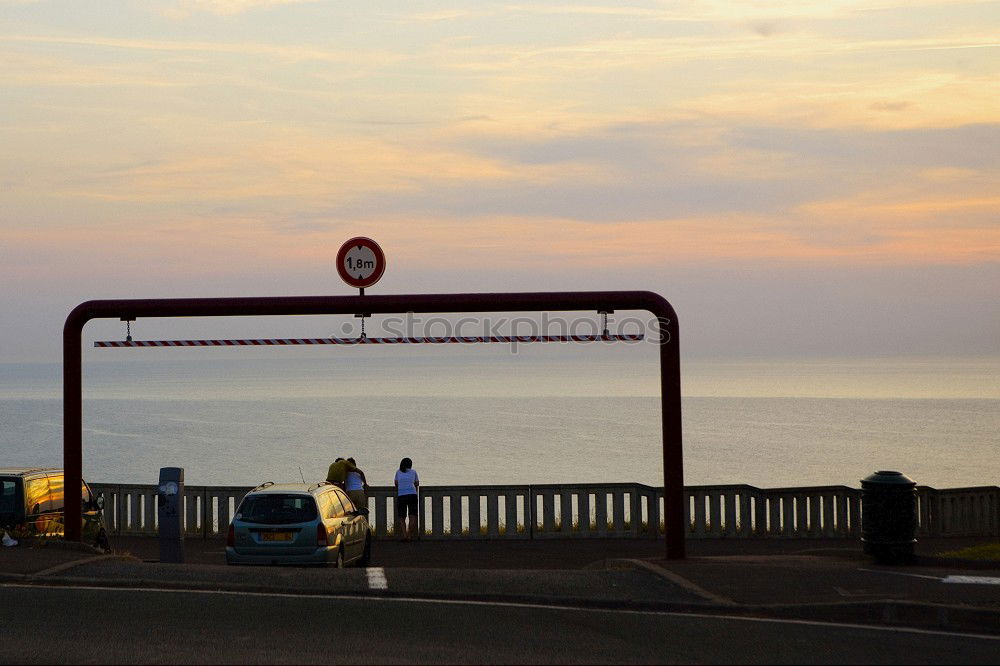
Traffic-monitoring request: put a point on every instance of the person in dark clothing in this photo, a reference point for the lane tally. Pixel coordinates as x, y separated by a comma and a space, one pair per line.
407, 500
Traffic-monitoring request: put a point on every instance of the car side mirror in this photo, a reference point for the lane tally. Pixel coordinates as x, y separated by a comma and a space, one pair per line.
363, 511
100, 501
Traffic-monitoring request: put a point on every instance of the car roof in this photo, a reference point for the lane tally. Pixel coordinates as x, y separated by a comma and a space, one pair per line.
27, 471
310, 488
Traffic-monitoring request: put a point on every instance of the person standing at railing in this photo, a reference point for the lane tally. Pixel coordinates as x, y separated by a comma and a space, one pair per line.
407, 499
357, 486
337, 473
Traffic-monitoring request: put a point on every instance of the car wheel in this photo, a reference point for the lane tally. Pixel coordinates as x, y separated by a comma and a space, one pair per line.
366, 556
340, 558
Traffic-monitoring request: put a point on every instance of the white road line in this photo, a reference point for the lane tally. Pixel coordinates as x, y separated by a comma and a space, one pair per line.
506, 604
974, 580
969, 580
376, 578
900, 573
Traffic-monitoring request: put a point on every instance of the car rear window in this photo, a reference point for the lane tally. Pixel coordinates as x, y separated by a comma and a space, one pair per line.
277, 509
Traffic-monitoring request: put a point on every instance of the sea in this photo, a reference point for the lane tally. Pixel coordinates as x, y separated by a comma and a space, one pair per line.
488, 414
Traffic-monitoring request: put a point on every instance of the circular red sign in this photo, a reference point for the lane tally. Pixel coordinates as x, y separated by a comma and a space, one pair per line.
360, 262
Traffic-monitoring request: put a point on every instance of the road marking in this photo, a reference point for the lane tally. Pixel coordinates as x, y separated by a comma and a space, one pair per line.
844, 593
507, 604
969, 580
75, 563
975, 580
376, 578
900, 573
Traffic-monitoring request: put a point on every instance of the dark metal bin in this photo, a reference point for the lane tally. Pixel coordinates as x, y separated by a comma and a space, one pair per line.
889, 516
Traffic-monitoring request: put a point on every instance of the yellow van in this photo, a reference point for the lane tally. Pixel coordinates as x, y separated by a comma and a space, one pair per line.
32, 504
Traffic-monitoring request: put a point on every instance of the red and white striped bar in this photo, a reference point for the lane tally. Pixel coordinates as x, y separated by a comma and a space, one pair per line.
370, 341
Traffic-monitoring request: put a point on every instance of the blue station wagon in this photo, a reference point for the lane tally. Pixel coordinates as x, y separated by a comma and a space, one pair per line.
298, 523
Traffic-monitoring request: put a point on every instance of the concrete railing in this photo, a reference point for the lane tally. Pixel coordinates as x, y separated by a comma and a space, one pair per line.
958, 511
593, 510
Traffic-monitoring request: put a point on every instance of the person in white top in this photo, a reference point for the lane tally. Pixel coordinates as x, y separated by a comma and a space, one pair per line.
357, 487
407, 499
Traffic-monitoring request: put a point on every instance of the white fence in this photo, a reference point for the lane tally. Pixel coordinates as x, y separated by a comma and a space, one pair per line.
593, 510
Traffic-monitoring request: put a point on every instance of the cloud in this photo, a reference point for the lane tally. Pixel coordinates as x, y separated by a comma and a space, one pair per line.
185, 8
890, 106
285, 52
300, 166
775, 192
212, 247
662, 170
764, 28
28, 70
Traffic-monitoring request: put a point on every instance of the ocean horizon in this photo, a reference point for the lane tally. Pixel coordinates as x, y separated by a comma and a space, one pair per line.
483, 416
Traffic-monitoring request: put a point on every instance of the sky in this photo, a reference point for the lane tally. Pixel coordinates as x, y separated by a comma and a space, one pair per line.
798, 178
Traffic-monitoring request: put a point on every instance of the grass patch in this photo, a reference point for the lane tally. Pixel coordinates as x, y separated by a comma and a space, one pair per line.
986, 551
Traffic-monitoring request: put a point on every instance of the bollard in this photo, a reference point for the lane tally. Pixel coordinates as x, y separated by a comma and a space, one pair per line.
170, 513
889, 517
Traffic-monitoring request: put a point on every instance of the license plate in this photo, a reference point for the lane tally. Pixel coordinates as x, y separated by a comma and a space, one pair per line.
277, 536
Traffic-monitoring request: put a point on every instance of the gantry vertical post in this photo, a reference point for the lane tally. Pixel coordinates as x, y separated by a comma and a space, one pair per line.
73, 426
674, 518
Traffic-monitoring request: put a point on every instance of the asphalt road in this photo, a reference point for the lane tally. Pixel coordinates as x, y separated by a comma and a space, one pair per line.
88, 625
610, 587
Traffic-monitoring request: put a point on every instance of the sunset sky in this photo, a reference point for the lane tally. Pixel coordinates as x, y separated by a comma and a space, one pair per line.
797, 178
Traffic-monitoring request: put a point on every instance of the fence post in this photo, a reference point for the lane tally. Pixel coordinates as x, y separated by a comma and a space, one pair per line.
601, 512
566, 512
437, 515
204, 513
730, 518
618, 510
119, 510
530, 501
492, 513
635, 511
583, 511
380, 528
699, 514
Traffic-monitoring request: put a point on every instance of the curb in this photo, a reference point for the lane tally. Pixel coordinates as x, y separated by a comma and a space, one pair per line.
76, 563
955, 562
58, 544
892, 612
45, 574
670, 576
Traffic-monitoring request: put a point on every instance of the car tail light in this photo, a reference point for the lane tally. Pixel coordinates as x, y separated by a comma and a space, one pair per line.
321, 537
231, 536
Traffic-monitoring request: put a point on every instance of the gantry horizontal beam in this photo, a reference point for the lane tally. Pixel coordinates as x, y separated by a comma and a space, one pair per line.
454, 339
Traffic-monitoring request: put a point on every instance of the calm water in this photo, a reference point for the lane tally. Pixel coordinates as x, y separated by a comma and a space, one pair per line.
488, 419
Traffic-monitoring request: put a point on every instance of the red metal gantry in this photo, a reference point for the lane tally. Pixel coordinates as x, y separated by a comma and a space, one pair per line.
606, 301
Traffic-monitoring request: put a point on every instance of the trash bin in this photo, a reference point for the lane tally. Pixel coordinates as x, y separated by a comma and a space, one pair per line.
889, 516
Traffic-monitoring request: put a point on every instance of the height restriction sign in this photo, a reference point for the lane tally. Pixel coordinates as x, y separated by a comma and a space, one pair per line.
360, 262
